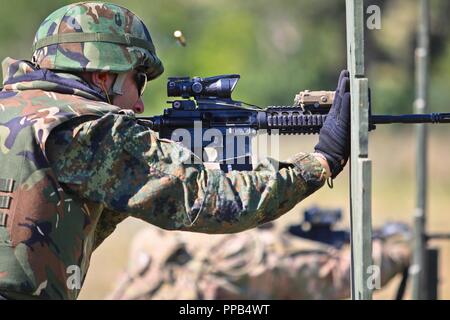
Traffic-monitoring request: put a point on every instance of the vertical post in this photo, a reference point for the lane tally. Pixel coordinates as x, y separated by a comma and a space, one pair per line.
421, 106
360, 165
432, 273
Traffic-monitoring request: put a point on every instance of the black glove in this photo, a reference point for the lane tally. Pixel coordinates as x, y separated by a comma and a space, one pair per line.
334, 138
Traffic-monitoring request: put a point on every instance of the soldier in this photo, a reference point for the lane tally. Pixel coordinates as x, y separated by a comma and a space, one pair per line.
263, 263
76, 161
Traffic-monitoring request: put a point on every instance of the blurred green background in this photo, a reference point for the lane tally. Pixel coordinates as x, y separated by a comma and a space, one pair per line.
279, 48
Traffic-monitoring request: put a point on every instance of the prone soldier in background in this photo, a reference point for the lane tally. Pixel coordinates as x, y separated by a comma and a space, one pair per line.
306, 261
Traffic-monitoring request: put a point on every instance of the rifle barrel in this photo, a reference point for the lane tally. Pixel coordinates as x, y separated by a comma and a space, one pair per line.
411, 118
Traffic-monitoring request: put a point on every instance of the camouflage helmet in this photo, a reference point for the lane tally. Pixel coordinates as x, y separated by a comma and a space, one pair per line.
95, 36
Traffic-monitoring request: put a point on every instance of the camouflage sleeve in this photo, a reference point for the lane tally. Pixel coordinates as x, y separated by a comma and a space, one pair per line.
122, 164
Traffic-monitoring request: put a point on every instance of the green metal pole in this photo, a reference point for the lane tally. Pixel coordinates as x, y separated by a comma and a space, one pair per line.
360, 165
419, 286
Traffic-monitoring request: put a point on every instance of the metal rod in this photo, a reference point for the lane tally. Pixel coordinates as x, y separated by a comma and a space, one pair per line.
360, 164
419, 279
438, 236
432, 273
411, 118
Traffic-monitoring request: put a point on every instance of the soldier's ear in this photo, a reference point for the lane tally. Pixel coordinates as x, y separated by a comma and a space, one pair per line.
102, 76
103, 80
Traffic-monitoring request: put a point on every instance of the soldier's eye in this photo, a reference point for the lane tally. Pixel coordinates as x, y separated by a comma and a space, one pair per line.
141, 82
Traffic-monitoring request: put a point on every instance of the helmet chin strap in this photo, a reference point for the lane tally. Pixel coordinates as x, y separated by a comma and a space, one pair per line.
117, 87
106, 92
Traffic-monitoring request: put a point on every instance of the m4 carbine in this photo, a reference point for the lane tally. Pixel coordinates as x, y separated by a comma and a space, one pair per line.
218, 129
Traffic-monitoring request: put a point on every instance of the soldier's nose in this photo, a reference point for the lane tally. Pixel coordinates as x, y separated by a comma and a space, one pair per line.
139, 106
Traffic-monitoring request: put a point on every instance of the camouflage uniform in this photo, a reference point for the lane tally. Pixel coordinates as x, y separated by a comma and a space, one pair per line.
74, 166
256, 264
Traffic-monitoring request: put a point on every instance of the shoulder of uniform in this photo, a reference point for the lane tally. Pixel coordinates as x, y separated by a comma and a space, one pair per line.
85, 106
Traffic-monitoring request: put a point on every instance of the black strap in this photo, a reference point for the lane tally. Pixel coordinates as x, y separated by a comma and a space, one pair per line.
402, 286
75, 37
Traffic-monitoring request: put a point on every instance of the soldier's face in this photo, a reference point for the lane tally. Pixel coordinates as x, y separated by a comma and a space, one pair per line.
131, 90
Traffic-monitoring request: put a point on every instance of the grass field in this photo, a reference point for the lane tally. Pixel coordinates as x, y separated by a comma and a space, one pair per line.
393, 199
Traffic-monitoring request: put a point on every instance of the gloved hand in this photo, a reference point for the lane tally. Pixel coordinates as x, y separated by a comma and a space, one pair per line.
334, 138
